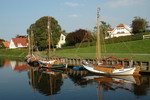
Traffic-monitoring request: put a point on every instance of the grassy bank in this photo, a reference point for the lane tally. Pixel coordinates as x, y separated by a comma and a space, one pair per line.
13, 53
139, 50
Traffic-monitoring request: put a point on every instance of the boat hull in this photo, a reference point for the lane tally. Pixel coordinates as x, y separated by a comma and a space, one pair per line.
125, 71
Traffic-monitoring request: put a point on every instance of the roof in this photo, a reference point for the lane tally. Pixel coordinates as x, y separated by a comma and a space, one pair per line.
120, 25
23, 41
6, 44
110, 29
63, 33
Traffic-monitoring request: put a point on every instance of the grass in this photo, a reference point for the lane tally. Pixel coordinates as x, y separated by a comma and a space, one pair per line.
139, 50
13, 53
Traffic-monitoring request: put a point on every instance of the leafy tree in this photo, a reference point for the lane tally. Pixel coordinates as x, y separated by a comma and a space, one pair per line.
21, 36
103, 27
139, 25
78, 36
1, 44
40, 31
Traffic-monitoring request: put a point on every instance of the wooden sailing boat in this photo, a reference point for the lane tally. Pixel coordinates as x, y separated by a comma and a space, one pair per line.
109, 69
50, 63
30, 58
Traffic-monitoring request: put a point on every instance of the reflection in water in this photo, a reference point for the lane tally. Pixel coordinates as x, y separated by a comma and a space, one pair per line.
138, 85
142, 89
47, 82
15, 65
52, 83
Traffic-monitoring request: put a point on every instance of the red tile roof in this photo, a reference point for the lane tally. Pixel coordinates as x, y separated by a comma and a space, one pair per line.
110, 29
120, 25
23, 41
6, 44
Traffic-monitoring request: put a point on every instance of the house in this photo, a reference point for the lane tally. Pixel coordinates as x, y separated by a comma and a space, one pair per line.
120, 30
6, 44
62, 40
18, 43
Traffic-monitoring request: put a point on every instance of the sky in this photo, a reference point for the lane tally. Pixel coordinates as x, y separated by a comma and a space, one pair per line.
17, 15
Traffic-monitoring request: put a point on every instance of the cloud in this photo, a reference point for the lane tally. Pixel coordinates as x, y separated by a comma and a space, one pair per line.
71, 4
74, 16
123, 3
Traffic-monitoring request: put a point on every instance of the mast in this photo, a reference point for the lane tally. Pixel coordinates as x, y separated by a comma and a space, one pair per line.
31, 40
98, 55
29, 43
49, 34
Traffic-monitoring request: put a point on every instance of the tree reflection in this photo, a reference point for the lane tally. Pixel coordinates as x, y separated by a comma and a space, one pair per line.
2, 61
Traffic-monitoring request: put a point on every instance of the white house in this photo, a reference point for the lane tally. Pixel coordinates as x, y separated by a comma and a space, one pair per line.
61, 41
18, 43
120, 30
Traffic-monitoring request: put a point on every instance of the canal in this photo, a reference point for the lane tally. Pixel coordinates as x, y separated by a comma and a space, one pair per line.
19, 81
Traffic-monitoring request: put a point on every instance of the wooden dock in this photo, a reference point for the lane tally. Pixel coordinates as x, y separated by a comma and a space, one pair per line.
144, 65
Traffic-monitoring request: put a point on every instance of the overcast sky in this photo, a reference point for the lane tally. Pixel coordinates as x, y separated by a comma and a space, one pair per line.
17, 15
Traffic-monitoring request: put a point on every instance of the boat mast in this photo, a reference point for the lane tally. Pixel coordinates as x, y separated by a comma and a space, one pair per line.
49, 34
29, 42
98, 55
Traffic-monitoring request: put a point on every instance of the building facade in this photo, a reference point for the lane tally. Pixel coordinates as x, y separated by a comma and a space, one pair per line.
120, 30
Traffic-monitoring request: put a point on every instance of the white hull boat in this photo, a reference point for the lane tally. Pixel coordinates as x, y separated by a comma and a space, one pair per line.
110, 71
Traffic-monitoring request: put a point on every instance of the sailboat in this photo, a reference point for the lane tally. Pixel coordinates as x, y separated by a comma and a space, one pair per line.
50, 63
30, 58
101, 68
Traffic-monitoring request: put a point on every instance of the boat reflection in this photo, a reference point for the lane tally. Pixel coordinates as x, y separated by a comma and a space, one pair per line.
46, 82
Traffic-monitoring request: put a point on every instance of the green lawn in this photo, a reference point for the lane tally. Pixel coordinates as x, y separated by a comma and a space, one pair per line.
140, 50
13, 53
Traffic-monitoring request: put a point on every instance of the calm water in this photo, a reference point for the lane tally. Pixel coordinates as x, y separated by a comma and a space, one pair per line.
19, 81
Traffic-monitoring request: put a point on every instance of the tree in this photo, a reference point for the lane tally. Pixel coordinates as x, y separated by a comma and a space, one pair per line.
104, 27
139, 25
1, 44
40, 32
78, 36
21, 36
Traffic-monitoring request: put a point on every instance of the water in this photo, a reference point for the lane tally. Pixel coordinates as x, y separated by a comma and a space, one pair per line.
19, 81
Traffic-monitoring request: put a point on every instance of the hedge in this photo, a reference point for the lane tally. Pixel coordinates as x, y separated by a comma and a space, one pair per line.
114, 40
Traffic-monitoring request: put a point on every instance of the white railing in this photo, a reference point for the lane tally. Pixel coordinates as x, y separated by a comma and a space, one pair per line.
146, 36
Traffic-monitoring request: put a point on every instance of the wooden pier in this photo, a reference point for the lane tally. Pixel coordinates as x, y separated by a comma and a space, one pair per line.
145, 65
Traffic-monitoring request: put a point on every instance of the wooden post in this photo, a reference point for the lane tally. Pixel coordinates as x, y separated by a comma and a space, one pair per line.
148, 66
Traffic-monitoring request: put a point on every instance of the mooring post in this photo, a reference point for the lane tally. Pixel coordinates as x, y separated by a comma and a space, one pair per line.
148, 66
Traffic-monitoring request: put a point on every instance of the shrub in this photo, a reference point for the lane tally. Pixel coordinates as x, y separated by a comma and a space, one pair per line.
114, 40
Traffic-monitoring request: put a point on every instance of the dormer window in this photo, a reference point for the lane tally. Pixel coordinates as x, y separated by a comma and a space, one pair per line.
19, 44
